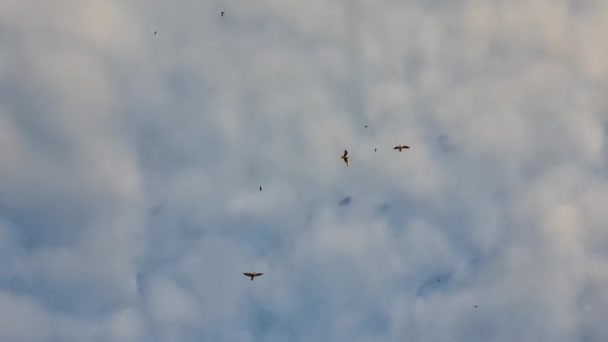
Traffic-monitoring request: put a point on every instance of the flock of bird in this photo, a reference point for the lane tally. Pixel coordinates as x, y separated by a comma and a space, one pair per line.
344, 157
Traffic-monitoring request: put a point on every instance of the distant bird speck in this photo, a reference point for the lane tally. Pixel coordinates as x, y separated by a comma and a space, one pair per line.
475, 305
155, 33
375, 149
438, 280
260, 189
222, 14
365, 126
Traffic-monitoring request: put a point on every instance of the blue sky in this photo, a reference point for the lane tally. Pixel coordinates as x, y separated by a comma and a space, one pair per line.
130, 165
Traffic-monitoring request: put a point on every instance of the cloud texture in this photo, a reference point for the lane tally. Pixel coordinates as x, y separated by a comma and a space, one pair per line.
130, 165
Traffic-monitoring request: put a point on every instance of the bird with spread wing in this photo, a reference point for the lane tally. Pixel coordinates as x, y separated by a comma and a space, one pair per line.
253, 275
400, 147
345, 157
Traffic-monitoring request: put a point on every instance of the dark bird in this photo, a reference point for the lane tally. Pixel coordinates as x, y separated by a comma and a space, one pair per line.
438, 280
260, 189
155, 33
253, 275
345, 157
375, 149
365, 126
400, 147
475, 305
222, 14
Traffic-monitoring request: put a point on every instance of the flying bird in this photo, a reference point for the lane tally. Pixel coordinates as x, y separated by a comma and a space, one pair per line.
365, 126
475, 305
400, 147
253, 275
345, 157
260, 189
155, 33
222, 14
375, 149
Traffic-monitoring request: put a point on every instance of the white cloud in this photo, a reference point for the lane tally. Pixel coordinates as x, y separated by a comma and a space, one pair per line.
130, 164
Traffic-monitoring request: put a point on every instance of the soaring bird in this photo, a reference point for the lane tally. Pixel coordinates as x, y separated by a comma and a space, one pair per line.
400, 147
222, 14
253, 275
345, 157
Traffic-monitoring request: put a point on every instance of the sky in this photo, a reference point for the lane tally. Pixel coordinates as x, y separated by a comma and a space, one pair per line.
130, 166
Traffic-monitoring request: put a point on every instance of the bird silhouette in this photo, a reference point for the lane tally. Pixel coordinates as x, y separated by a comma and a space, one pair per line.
345, 157
400, 147
253, 275
155, 33
222, 14
260, 189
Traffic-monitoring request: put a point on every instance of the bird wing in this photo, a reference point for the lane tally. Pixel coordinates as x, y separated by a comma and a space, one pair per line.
249, 274
345, 153
258, 274
405, 146
396, 148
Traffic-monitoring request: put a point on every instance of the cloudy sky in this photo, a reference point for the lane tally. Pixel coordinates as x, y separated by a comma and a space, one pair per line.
130, 165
